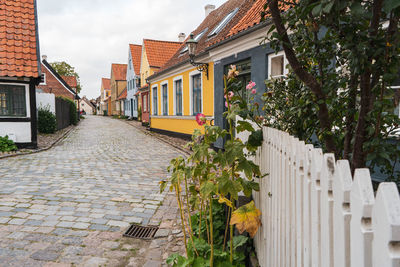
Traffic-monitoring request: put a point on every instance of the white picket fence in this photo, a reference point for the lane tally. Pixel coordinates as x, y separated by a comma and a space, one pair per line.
315, 214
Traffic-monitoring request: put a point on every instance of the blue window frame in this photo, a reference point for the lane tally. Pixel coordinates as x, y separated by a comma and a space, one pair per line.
155, 104
165, 99
196, 94
178, 98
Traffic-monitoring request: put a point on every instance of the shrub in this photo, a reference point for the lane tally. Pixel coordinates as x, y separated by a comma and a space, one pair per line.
6, 144
140, 114
47, 122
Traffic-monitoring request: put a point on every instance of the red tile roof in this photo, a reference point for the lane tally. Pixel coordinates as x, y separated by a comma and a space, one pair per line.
106, 83
136, 52
119, 71
71, 81
18, 45
253, 17
122, 95
159, 52
208, 24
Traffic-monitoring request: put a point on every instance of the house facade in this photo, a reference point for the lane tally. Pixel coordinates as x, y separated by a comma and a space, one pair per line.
155, 54
86, 106
19, 72
55, 84
117, 85
105, 93
180, 90
121, 102
133, 80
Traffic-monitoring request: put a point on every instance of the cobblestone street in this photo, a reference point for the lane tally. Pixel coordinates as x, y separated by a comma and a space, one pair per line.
71, 204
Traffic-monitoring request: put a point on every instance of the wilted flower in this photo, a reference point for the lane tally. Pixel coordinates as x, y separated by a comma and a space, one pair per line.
253, 91
232, 73
201, 119
230, 94
250, 85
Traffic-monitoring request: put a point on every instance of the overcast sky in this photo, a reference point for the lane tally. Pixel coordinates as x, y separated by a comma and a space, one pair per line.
92, 34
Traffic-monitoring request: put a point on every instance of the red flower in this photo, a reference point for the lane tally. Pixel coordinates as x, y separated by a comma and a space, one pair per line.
201, 119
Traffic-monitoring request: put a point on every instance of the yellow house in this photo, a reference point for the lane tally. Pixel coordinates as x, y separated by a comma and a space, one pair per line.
155, 54
180, 90
118, 84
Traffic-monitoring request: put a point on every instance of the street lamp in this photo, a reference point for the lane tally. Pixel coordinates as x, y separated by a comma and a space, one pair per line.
192, 45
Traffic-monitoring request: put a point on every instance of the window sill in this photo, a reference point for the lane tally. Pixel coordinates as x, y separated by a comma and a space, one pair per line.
178, 117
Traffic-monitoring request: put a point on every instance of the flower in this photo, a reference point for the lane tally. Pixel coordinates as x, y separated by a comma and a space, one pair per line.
253, 91
232, 73
230, 94
250, 85
200, 119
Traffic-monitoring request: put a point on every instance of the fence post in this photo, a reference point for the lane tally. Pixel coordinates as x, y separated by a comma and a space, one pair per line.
386, 226
361, 202
300, 185
341, 207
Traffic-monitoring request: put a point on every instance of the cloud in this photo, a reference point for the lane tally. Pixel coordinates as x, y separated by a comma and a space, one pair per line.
92, 34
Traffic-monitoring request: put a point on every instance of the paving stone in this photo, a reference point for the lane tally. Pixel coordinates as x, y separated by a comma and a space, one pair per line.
33, 223
81, 225
99, 227
114, 217
95, 262
135, 220
99, 221
65, 224
118, 223
17, 221
72, 240
4, 220
152, 263
45, 255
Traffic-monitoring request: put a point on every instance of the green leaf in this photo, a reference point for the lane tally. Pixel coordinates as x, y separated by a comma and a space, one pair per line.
389, 5
328, 7
244, 126
207, 188
317, 10
256, 138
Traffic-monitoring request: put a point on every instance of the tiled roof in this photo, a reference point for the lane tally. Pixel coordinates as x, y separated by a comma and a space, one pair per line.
208, 24
253, 17
71, 80
122, 95
18, 45
106, 83
136, 52
159, 52
119, 71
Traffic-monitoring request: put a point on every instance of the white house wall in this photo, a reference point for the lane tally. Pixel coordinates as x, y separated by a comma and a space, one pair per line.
46, 101
130, 75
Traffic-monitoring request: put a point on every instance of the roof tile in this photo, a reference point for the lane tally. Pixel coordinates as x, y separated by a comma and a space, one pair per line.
119, 71
18, 51
136, 52
159, 52
71, 81
122, 95
106, 83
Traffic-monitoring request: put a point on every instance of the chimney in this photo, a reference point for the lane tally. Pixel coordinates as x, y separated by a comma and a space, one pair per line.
181, 37
209, 9
44, 57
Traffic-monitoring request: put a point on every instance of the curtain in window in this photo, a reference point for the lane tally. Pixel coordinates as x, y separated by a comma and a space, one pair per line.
165, 99
12, 100
178, 97
196, 94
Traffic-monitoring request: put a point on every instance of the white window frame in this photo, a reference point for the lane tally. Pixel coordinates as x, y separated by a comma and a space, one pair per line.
177, 78
27, 100
191, 74
152, 98
285, 63
44, 79
162, 97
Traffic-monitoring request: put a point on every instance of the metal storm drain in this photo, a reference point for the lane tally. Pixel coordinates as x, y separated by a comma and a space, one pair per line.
142, 232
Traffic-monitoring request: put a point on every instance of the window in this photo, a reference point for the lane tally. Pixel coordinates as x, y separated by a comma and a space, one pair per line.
196, 38
44, 79
12, 100
277, 65
223, 23
244, 68
178, 97
155, 104
165, 99
196, 93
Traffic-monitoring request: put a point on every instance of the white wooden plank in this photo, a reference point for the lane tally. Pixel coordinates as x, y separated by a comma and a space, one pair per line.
361, 203
342, 183
386, 226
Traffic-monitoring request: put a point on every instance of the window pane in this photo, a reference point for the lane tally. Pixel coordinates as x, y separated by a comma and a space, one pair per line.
178, 100
155, 105
12, 100
196, 94
277, 66
165, 99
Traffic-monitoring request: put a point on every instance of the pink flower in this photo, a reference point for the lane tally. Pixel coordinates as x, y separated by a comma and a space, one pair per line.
230, 94
250, 85
201, 119
226, 104
254, 91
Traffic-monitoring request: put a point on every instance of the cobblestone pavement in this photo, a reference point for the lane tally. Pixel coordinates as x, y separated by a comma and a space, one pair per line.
70, 205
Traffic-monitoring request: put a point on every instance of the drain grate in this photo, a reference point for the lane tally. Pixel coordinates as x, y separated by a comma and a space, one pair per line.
142, 232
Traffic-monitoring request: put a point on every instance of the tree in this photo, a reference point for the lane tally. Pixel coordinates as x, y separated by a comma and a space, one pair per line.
343, 57
64, 69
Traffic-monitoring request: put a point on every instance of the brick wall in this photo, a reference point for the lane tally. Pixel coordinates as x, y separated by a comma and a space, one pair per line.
54, 86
